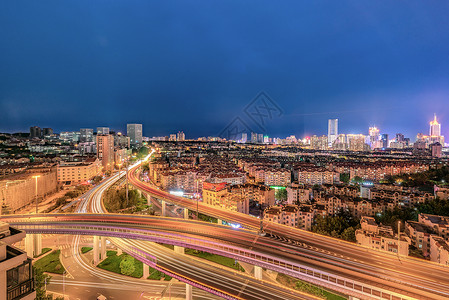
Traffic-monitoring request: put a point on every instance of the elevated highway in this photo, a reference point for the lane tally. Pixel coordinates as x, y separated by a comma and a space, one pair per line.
242, 245
406, 276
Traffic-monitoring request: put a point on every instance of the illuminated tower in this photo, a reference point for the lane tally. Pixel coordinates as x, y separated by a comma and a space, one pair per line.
332, 131
435, 127
374, 137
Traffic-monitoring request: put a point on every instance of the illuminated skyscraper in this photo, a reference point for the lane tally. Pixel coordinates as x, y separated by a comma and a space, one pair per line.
435, 127
86, 135
102, 130
180, 136
374, 137
332, 131
105, 151
134, 131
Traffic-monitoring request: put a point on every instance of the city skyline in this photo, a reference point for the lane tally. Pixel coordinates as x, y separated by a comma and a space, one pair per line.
435, 126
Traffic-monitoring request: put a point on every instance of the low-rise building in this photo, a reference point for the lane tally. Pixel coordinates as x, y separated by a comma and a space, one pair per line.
439, 250
78, 172
381, 237
298, 193
420, 236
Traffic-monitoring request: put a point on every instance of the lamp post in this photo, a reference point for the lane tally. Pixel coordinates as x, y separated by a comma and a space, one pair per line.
399, 234
36, 177
197, 200
127, 197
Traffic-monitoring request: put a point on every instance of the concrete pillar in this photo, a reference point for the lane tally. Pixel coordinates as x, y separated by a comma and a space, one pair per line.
29, 245
96, 250
37, 244
219, 222
258, 272
139, 192
148, 199
33, 244
188, 292
146, 271
119, 251
186, 213
179, 249
103, 247
164, 213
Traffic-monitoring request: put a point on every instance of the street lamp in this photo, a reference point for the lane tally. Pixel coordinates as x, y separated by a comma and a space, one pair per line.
127, 197
36, 177
399, 234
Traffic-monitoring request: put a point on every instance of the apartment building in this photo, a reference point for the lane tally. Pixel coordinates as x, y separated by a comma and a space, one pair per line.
439, 250
259, 193
105, 151
298, 193
217, 194
291, 215
16, 273
78, 172
277, 177
419, 234
439, 224
316, 175
381, 237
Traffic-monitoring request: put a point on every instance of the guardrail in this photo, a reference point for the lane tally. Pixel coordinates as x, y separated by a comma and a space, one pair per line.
20, 290
348, 286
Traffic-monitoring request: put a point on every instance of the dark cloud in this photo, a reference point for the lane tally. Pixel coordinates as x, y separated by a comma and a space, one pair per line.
195, 65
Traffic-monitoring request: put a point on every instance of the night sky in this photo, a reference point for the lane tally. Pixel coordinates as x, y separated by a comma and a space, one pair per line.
195, 65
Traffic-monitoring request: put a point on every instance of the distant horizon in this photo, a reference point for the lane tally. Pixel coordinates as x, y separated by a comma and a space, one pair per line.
390, 135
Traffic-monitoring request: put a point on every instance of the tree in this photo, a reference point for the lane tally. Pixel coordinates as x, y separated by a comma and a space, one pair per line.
357, 179
127, 265
349, 234
344, 177
97, 179
281, 195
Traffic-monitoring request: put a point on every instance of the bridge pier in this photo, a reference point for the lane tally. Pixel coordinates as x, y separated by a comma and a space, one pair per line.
149, 202
164, 208
33, 244
146, 271
188, 292
258, 272
96, 250
103, 247
219, 222
179, 249
186, 213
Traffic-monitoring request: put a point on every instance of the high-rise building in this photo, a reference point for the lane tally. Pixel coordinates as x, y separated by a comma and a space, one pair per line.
86, 135
172, 137
122, 141
260, 138
435, 127
105, 151
384, 140
70, 136
332, 131
181, 136
253, 137
244, 137
134, 131
400, 137
47, 131
35, 132
102, 130
374, 137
